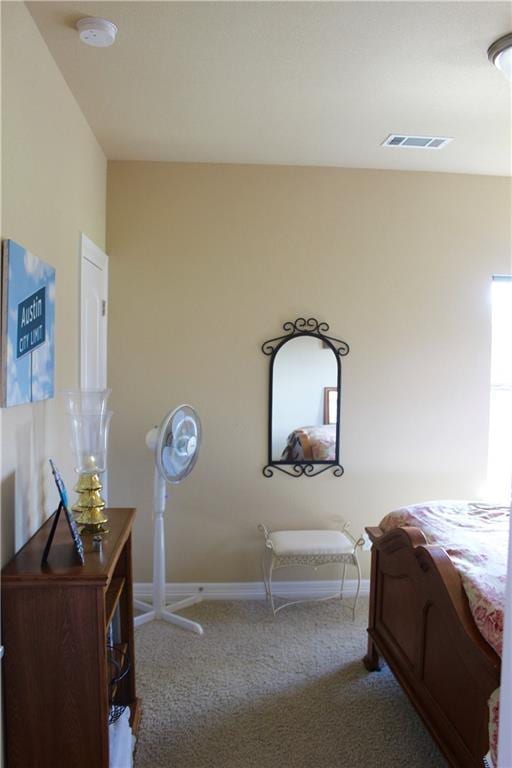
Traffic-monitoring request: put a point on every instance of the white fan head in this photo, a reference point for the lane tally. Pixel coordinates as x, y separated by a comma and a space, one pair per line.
176, 443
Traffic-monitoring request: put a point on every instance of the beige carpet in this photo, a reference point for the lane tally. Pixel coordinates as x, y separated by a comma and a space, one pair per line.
258, 692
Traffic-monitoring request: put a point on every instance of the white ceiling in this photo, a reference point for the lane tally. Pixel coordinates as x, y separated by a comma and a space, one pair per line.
307, 83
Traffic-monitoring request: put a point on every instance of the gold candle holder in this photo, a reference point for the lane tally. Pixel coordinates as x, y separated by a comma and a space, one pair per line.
90, 506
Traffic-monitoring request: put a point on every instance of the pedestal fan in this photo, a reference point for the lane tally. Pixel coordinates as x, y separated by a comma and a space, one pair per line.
175, 445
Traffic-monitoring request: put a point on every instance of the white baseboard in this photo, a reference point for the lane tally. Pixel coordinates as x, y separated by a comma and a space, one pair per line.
253, 590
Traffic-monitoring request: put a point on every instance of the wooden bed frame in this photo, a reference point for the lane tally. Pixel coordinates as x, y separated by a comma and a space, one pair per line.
421, 624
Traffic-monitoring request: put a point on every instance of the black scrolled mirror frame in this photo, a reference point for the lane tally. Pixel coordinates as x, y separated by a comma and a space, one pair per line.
319, 330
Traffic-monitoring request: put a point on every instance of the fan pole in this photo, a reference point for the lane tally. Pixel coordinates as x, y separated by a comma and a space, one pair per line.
160, 497
159, 609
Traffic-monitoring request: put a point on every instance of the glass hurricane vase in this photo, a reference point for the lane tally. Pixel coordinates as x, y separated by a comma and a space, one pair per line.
89, 422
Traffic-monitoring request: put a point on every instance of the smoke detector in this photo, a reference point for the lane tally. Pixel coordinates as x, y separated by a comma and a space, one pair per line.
100, 33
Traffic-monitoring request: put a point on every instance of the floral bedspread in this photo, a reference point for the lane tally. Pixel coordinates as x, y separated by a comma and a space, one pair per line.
475, 536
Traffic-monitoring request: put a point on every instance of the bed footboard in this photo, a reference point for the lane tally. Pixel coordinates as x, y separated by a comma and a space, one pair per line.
421, 624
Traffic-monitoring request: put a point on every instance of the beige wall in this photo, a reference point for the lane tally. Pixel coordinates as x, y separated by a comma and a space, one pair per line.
208, 261
53, 178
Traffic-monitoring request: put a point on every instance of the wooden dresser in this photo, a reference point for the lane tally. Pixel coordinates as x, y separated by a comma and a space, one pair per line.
55, 623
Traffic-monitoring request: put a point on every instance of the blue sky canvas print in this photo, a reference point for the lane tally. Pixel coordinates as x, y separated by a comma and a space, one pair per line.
28, 327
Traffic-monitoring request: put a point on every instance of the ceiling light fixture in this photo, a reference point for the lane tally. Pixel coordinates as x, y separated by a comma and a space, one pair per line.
100, 33
500, 54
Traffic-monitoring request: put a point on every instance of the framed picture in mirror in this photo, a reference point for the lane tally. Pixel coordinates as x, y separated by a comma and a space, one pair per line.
330, 405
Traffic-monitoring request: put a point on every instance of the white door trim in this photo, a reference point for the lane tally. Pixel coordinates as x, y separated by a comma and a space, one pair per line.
505, 734
90, 252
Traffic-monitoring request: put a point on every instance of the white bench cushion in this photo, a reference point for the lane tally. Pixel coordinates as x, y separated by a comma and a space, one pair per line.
323, 542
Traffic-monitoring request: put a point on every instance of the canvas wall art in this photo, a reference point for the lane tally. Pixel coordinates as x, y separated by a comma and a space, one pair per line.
28, 326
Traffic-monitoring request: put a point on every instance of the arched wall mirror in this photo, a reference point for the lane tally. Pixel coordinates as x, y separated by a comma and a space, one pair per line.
304, 400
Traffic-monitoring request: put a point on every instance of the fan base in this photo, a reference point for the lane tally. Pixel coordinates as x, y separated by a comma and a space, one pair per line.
167, 614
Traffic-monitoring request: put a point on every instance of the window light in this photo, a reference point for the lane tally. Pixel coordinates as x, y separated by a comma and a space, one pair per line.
499, 470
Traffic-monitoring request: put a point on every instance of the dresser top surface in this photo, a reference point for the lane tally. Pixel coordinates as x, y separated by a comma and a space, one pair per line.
63, 564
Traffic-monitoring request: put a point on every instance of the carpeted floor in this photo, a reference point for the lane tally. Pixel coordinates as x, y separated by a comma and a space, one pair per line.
258, 692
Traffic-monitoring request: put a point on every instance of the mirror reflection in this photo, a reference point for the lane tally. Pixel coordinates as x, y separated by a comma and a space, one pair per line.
304, 401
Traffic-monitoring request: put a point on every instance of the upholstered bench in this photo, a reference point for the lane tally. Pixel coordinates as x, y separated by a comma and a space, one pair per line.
312, 549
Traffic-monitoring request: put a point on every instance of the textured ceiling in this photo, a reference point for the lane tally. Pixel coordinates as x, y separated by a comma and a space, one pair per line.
308, 83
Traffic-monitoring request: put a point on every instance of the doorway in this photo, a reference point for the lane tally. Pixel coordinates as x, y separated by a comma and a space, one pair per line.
93, 315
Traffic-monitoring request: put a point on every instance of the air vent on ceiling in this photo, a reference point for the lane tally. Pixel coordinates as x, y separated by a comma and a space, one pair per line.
416, 142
